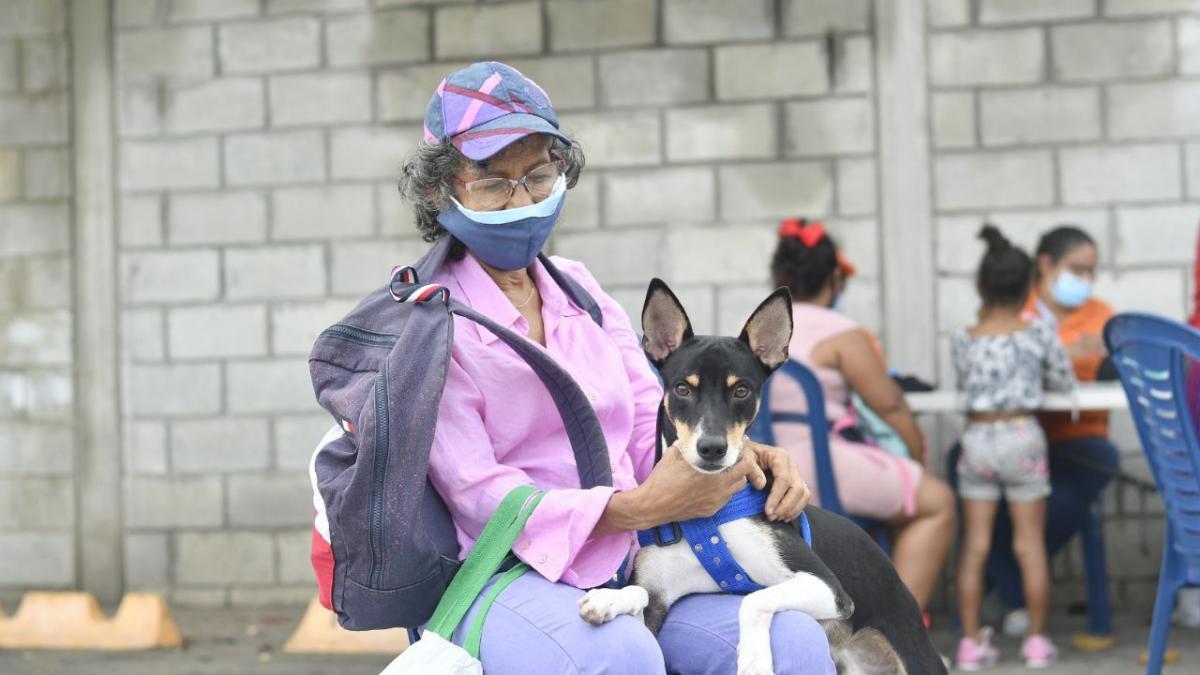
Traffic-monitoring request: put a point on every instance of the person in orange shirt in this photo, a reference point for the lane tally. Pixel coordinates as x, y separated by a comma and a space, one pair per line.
1082, 459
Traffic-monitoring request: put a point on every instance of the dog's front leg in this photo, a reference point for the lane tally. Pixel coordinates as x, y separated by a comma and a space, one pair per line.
804, 592
601, 605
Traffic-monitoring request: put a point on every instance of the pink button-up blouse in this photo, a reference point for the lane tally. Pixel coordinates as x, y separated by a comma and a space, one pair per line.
497, 426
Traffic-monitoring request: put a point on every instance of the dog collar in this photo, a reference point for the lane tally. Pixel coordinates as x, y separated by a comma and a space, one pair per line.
710, 548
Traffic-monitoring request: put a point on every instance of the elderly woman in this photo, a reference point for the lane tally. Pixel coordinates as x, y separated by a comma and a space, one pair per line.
493, 174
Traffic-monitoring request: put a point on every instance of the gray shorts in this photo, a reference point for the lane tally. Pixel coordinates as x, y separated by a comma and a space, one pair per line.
1004, 458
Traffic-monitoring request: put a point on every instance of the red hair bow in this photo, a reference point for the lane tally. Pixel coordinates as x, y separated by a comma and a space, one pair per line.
809, 233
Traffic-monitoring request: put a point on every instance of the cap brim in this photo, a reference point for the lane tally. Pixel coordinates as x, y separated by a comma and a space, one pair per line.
488, 139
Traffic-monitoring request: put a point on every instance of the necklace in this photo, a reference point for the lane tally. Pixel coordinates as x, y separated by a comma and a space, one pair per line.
532, 290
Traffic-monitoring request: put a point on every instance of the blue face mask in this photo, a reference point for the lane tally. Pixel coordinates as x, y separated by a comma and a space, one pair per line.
1070, 290
509, 239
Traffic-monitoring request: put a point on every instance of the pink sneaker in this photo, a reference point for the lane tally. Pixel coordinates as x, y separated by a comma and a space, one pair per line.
974, 655
1038, 652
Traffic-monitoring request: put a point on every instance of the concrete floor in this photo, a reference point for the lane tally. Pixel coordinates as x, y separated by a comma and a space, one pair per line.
233, 642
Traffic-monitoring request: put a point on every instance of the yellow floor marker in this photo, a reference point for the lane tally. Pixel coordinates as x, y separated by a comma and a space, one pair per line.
67, 620
319, 633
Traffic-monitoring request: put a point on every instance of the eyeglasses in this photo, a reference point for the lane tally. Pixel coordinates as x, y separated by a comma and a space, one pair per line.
493, 193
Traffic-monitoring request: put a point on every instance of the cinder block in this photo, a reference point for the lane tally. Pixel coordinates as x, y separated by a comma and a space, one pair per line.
145, 447
160, 503
840, 126
863, 303
1033, 11
775, 190
856, 191
324, 212
358, 267
31, 17
719, 254
855, 67
1173, 109
1126, 173
721, 132
287, 6
295, 326
135, 13
986, 57
217, 217
580, 212
957, 301
292, 43
176, 389
269, 386
138, 110
296, 439
37, 559
47, 173
698, 21
34, 229
142, 336
1158, 291
36, 450
994, 180
570, 81
10, 62
10, 175
48, 283
654, 77
44, 64
613, 139
292, 550
770, 70
404, 93
270, 501
1133, 7
38, 396
217, 331
209, 10
1036, 116
953, 118
735, 302
1102, 51
371, 152
184, 53
1156, 235
28, 503
320, 98
1193, 169
488, 31
818, 17
33, 120
629, 257
215, 105
605, 24
276, 157
36, 339
168, 165
275, 272
169, 276
668, 196
699, 301
220, 445
946, 13
147, 561
140, 221
383, 37
1188, 39
224, 558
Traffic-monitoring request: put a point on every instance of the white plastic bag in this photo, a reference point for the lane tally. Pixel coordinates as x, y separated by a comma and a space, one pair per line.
434, 655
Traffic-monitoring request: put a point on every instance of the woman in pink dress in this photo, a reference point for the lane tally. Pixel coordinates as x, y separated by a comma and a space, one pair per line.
871, 482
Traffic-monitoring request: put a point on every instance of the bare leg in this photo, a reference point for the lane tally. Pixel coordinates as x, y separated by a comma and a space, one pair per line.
923, 541
978, 517
1029, 546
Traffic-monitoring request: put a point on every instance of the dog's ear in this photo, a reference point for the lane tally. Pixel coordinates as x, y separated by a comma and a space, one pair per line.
769, 330
665, 325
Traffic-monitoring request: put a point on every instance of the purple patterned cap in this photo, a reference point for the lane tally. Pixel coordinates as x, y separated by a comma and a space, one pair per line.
486, 106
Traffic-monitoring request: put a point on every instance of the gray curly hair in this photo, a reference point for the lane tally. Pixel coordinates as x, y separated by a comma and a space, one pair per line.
426, 181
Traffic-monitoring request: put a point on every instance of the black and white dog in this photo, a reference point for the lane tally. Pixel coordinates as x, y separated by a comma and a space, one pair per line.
713, 385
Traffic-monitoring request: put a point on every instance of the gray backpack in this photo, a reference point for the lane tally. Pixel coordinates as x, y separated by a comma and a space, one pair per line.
384, 547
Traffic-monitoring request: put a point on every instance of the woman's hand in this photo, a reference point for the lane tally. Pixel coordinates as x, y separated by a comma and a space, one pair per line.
675, 490
789, 493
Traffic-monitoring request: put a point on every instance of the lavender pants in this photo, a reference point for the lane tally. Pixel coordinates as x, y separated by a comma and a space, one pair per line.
534, 627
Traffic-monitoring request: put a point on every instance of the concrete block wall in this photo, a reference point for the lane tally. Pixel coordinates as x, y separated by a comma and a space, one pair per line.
37, 497
1075, 112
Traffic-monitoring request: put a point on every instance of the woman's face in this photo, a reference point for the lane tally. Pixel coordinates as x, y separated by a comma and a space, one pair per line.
1080, 261
513, 163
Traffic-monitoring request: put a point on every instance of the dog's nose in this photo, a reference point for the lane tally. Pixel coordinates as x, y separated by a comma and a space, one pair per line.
711, 447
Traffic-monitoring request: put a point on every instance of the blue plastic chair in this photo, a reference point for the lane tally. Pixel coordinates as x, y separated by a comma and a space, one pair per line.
763, 431
1158, 361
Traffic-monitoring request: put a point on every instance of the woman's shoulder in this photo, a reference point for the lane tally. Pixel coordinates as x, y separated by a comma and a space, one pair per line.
829, 321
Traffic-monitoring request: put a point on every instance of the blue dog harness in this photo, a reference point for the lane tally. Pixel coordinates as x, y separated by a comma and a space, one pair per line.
710, 548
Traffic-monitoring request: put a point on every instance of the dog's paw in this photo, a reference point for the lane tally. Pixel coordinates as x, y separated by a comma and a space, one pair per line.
601, 605
755, 661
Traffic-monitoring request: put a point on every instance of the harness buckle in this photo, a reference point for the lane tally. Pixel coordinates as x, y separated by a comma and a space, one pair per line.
678, 532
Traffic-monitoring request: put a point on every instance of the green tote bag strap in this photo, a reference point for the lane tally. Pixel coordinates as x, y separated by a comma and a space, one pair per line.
493, 546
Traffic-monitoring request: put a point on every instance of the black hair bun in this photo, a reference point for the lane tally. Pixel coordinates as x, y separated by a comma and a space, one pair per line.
996, 241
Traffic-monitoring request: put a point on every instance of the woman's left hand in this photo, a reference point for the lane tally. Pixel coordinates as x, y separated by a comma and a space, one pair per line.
789, 493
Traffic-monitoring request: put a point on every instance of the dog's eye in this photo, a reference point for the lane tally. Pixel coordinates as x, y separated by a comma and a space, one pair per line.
683, 390
741, 391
